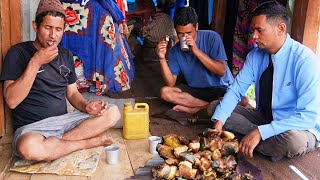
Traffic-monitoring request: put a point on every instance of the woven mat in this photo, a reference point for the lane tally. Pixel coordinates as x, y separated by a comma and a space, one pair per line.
79, 163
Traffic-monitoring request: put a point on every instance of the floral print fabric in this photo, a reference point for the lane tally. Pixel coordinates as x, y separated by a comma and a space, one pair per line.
92, 34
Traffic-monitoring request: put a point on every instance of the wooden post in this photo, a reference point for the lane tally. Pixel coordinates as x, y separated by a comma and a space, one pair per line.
1, 86
15, 22
306, 22
5, 44
10, 34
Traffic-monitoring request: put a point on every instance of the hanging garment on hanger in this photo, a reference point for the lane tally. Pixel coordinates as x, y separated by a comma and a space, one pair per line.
92, 33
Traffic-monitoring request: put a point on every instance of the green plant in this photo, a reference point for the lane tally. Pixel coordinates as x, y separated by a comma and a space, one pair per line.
251, 93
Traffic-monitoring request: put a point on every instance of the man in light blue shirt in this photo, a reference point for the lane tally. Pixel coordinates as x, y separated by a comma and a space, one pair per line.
286, 122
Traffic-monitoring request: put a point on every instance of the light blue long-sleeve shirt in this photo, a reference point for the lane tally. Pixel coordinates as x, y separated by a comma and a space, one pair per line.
295, 93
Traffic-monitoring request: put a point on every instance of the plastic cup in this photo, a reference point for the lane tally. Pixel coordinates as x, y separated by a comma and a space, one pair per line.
112, 154
153, 142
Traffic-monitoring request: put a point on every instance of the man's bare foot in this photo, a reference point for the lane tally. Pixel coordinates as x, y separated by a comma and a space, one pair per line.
106, 141
100, 141
190, 110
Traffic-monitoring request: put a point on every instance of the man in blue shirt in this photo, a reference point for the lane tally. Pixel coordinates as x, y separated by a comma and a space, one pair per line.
204, 66
286, 122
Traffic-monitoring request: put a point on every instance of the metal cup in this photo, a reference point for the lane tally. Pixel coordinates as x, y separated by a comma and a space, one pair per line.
112, 154
183, 45
153, 142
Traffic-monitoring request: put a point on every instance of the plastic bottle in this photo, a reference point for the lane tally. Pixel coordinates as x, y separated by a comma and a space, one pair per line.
135, 121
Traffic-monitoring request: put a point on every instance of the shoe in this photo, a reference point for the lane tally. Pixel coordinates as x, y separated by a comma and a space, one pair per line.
276, 158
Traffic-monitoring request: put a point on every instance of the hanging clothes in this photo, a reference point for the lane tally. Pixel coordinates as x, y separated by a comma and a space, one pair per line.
242, 38
121, 5
178, 4
210, 11
201, 8
143, 12
229, 28
123, 28
92, 33
170, 6
160, 26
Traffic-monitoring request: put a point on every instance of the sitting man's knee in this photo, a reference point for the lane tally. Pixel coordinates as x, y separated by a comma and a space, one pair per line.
297, 144
112, 115
28, 148
115, 111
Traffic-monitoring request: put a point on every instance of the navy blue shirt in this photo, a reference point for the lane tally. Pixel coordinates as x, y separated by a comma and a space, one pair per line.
195, 73
47, 96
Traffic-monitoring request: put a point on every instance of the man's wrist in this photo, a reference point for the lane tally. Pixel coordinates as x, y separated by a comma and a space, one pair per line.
36, 63
197, 52
84, 106
217, 124
162, 59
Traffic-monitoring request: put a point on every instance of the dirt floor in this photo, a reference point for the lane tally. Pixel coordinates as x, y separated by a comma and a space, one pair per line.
145, 88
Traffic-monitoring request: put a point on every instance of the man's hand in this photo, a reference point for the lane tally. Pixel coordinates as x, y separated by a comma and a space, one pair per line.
249, 142
162, 49
45, 55
217, 125
96, 107
191, 43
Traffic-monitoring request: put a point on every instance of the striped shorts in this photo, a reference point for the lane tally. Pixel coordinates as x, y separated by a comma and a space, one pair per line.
54, 126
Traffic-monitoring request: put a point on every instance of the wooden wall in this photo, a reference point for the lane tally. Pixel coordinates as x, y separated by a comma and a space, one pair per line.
306, 22
10, 34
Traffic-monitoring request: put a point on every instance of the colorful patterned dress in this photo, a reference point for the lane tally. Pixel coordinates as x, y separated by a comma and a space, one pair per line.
92, 34
243, 41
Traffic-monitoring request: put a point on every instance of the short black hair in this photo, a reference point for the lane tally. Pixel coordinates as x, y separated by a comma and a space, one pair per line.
39, 17
184, 16
274, 11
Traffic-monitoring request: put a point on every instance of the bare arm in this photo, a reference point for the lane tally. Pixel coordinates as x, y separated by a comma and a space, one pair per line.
77, 101
214, 66
16, 91
167, 75
75, 98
